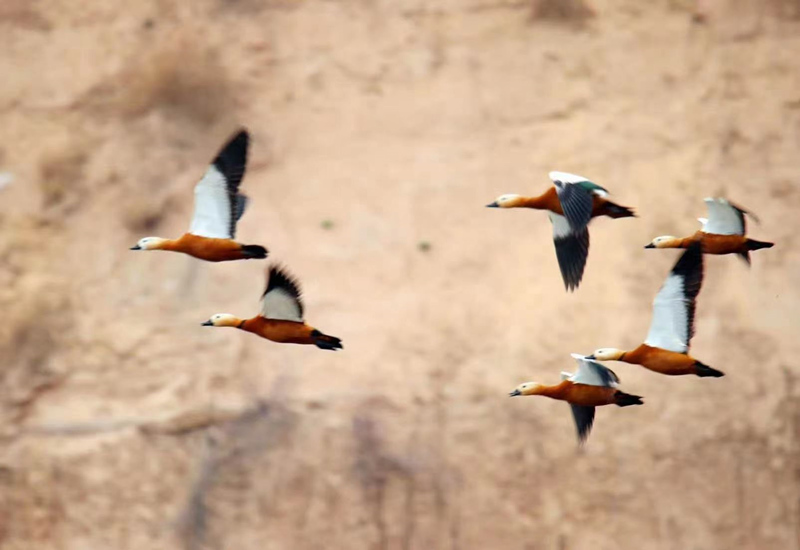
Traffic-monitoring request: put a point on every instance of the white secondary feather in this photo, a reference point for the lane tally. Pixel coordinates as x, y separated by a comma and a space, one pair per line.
669, 328
566, 177
212, 208
592, 373
561, 227
279, 304
723, 219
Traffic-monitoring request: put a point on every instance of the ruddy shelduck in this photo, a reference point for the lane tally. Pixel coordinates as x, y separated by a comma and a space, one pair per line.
722, 233
571, 203
281, 318
666, 349
593, 385
218, 205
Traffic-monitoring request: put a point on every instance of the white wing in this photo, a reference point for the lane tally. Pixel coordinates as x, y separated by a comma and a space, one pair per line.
566, 177
669, 328
281, 299
593, 373
723, 218
279, 304
212, 206
561, 228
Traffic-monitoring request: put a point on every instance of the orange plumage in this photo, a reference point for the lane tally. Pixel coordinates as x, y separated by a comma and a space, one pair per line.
210, 249
549, 201
579, 394
281, 318
218, 206
661, 360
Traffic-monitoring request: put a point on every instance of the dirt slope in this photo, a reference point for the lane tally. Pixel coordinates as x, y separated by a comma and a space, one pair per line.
380, 129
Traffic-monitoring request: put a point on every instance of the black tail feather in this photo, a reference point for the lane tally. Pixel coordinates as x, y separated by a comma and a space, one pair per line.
704, 370
323, 341
758, 245
623, 399
254, 251
619, 211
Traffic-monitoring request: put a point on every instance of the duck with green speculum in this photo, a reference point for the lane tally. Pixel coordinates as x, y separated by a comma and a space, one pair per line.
723, 232
591, 386
571, 203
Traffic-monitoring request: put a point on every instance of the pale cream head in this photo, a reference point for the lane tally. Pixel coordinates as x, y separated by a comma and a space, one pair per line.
528, 388
665, 241
149, 243
505, 201
606, 354
223, 320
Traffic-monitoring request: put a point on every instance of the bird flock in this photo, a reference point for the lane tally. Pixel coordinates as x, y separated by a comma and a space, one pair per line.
571, 204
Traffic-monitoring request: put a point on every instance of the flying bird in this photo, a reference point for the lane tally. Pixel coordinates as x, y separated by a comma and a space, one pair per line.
218, 205
281, 317
591, 386
723, 232
666, 348
571, 203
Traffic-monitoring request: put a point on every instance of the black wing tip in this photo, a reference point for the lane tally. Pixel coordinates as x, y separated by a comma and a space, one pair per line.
611, 376
232, 158
744, 211
691, 261
236, 145
584, 420
239, 139
572, 252
279, 277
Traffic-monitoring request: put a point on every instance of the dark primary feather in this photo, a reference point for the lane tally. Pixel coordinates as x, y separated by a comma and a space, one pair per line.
231, 162
690, 268
576, 202
241, 204
743, 216
584, 419
280, 279
608, 376
572, 251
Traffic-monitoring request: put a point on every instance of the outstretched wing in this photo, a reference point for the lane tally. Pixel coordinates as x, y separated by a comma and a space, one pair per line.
572, 249
724, 218
218, 205
576, 198
584, 419
281, 299
593, 373
672, 326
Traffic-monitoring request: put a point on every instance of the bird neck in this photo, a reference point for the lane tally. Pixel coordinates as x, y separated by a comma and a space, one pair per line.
537, 203
553, 392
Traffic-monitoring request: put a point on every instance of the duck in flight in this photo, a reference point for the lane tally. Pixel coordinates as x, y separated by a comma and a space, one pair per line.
666, 348
591, 386
218, 205
281, 317
723, 232
571, 203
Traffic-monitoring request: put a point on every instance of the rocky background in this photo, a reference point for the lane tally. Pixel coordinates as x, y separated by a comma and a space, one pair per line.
380, 129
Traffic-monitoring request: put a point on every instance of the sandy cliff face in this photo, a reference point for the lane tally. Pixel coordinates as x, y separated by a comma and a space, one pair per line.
380, 129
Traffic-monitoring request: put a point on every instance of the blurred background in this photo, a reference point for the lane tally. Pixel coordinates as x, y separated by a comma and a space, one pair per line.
380, 130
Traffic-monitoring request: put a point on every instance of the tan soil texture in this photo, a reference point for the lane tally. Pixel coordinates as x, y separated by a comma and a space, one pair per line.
381, 128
